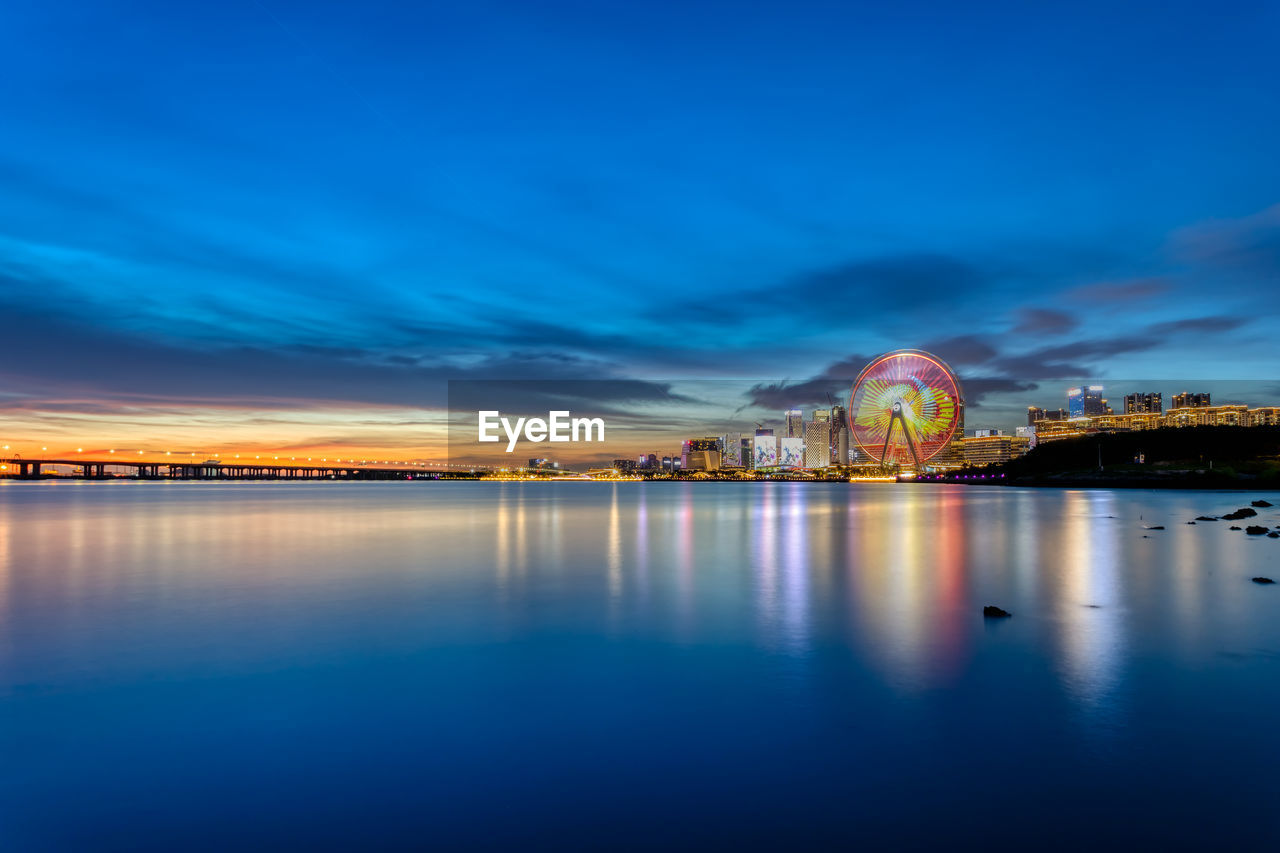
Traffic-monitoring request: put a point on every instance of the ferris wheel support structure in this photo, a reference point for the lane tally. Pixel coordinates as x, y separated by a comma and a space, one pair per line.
897, 417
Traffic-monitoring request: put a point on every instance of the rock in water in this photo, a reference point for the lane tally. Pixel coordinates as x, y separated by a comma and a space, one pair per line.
993, 612
1234, 527
1254, 530
1262, 503
1263, 580
1205, 518
1156, 527
1273, 535
1242, 512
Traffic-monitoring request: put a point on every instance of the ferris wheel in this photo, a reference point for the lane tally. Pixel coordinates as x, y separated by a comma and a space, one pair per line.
905, 406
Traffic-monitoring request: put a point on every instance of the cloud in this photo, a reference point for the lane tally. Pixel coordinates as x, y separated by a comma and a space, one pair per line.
1248, 244
872, 284
783, 395
1198, 324
1044, 321
963, 350
1133, 290
976, 389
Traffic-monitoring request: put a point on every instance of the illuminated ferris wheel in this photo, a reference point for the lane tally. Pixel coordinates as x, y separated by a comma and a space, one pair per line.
905, 407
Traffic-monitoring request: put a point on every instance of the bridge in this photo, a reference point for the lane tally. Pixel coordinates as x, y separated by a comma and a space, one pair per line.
106, 469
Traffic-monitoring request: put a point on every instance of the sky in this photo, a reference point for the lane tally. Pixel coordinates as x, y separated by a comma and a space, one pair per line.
276, 227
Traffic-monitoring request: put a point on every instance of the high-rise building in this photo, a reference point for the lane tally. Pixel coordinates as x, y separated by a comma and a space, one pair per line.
1143, 404
795, 424
839, 436
1086, 401
766, 450
756, 444
731, 450
1186, 400
817, 442
746, 451
791, 453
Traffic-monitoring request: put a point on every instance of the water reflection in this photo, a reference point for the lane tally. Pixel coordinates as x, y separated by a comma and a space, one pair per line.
896, 575
1089, 600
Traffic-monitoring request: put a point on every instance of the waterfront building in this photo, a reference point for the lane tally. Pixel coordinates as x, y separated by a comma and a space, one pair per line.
839, 436
1234, 414
1035, 413
1143, 404
817, 442
990, 449
700, 454
791, 452
1086, 401
731, 450
1187, 400
1229, 415
1265, 416
765, 450
794, 424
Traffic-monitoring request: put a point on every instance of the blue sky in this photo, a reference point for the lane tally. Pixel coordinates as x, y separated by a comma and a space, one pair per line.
271, 208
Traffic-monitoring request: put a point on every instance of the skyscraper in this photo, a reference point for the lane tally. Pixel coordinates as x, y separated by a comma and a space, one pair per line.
795, 424
1143, 404
839, 436
817, 442
1190, 401
731, 450
1086, 401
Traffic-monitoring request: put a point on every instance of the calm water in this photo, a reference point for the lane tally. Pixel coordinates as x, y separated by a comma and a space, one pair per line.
468, 665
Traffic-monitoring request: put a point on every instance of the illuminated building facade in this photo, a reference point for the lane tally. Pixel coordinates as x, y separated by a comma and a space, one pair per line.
765, 450
817, 442
1186, 400
839, 436
1143, 404
791, 453
731, 451
1235, 414
700, 454
794, 424
1086, 401
990, 449
1035, 413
